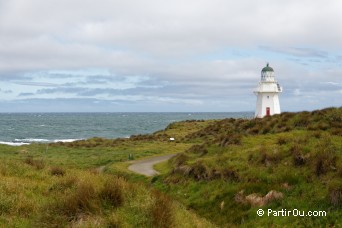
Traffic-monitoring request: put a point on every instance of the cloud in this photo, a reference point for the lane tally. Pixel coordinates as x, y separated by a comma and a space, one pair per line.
25, 94
299, 52
114, 34
37, 84
197, 51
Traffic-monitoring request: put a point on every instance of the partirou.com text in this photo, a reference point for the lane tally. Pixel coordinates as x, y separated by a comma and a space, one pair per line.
293, 212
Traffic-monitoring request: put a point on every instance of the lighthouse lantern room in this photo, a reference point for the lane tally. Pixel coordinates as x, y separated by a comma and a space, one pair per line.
267, 94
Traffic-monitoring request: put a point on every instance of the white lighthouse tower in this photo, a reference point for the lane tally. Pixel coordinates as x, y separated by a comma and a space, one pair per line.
267, 93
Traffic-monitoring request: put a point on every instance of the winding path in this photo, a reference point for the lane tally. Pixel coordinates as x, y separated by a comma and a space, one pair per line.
145, 166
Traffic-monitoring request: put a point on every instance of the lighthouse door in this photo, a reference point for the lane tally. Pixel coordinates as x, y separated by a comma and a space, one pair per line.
268, 112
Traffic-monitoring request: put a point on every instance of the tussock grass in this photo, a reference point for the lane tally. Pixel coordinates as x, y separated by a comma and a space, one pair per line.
335, 193
112, 192
81, 201
31, 197
38, 164
162, 211
57, 171
296, 154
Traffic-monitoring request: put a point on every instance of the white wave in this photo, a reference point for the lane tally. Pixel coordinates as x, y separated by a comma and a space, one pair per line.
14, 143
20, 142
65, 140
31, 140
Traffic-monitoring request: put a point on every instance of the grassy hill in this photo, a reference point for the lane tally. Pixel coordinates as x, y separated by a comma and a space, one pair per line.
75, 185
35, 194
237, 166
224, 172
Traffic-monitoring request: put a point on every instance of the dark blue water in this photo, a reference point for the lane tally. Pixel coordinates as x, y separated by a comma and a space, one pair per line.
21, 128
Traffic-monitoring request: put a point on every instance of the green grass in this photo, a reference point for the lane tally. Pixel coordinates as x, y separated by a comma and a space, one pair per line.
59, 185
297, 154
31, 197
83, 157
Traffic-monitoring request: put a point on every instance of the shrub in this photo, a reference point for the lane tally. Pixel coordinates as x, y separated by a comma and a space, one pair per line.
180, 159
267, 158
162, 212
337, 131
64, 184
230, 139
38, 164
266, 129
114, 221
198, 149
81, 201
199, 171
317, 134
230, 174
335, 193
254, 130
282, 140
112, 192
322, 125
298, 158
57, 171
301, 119
326, 157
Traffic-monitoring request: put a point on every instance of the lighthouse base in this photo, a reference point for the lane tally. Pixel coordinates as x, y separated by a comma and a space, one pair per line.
267, 105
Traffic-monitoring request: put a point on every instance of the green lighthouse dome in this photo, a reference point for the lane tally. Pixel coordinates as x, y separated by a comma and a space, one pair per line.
267, 68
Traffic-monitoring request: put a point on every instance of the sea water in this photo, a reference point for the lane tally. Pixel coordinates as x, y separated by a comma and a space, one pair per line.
25, 128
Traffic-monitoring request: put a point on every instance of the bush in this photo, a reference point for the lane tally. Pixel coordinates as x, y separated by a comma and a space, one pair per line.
317, 134
266, 129
298, 158
267, 158
80, 202
282, 140
199, 171
57, 171
112, 192
230, 139
162, 211
38, 164
335, 193
198, 149
326, 157
230, 174
337, 131
180, 159
64, 184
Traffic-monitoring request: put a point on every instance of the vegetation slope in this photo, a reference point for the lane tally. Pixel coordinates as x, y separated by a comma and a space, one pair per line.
73, 185
236, 166
224, 172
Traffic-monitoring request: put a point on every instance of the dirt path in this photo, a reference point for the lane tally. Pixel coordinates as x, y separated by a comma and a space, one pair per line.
145, 166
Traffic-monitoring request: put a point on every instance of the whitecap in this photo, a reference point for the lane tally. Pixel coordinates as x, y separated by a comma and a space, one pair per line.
65, 140
14, 143
30, 140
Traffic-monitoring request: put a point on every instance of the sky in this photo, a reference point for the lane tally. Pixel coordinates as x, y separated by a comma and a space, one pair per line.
167, 56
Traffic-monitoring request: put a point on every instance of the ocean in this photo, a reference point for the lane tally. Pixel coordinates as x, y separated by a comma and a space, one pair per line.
25, 128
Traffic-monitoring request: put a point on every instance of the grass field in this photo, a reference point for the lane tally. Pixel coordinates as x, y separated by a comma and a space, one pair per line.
225, 171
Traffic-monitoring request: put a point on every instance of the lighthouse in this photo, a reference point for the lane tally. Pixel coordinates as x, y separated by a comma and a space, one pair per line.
267, 94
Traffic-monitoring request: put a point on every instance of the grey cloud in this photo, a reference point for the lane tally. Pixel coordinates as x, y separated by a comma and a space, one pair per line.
162, 43
39, 84
25, 94
8, 91
114, 34
299, 52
